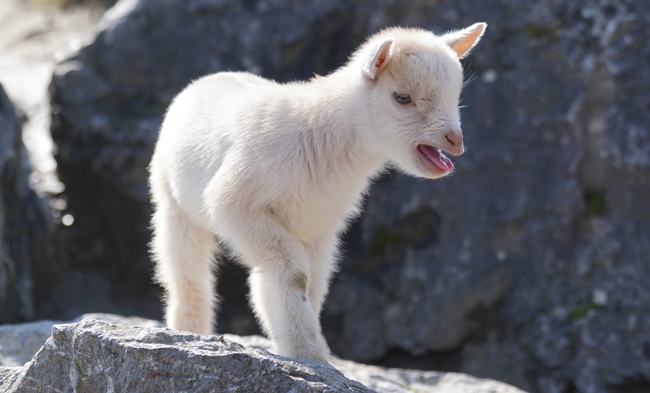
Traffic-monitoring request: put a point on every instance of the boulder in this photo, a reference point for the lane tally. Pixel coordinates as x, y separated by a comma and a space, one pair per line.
25, 250
529, 264
95, 356
20, 342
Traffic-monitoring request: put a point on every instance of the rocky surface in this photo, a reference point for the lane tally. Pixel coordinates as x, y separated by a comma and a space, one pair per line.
32, 35
529, 264
15, 287
93, 356
25, 245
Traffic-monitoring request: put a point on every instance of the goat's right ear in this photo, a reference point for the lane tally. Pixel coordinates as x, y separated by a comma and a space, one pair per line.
378, 60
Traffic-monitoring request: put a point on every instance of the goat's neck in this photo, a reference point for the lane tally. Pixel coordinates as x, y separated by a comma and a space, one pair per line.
339, 124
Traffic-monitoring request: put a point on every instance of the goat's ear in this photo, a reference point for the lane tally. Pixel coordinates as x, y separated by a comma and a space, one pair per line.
378, 60
462, 41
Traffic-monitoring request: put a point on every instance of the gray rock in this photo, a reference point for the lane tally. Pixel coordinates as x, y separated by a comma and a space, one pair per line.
20, 342
25, 250
534, 253
396, 380
15, 281
95, 356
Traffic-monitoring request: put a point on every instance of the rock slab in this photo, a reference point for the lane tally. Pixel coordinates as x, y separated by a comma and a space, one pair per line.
95, 356
25, 247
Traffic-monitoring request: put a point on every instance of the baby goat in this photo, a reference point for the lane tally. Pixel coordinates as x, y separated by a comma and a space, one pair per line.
275, 171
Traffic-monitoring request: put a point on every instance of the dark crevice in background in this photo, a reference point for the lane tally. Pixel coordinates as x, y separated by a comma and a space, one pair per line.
450, 361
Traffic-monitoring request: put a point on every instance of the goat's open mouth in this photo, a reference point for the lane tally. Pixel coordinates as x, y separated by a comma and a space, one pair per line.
436, 158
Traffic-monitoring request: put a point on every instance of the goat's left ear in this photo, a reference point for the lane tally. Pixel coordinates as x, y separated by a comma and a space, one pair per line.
462, 41
378, 59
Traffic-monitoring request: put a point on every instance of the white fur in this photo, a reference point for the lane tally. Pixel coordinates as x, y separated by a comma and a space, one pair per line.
275, 171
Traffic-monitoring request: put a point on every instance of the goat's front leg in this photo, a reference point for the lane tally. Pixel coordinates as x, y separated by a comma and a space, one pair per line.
323, 254
279, 285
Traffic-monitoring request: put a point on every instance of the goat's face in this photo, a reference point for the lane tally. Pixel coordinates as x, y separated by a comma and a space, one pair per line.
416, 112
414, 101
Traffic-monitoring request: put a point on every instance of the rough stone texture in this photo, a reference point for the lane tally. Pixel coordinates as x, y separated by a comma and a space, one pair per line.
538, 255
396, 379
19, 342
31, 34
94, 356
530, 264
24, 232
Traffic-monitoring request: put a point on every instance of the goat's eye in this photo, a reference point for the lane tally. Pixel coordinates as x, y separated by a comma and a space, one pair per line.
403, 99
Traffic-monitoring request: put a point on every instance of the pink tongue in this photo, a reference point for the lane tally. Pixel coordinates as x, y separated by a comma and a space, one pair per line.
436, 157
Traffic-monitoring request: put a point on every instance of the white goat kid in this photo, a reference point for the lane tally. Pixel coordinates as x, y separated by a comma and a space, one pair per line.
275, 171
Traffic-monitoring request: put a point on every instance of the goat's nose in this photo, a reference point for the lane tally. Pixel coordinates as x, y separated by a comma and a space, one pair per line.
455, 138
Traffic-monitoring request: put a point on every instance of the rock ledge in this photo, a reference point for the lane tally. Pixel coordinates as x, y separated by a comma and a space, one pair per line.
93, 355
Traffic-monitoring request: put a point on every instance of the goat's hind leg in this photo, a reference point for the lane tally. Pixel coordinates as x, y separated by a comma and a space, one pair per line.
184, 256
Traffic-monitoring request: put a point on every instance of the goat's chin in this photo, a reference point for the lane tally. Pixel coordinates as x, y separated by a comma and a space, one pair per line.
428, 171
417, 167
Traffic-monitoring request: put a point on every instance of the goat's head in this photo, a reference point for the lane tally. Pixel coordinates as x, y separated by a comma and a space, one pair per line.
415, 80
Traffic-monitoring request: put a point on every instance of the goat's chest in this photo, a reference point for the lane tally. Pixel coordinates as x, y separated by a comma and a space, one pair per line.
322, 210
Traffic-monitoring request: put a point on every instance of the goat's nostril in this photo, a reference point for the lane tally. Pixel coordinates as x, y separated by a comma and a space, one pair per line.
455, 140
